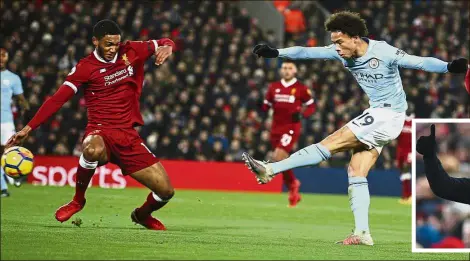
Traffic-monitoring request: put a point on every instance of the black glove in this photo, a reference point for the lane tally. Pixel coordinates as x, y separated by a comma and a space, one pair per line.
459, 65
296, 117
263, 50
426, 145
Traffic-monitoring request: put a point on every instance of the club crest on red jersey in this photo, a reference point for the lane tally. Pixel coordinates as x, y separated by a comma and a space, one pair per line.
125, 59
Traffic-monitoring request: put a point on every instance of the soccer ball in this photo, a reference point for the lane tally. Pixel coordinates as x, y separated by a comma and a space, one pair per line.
17, 162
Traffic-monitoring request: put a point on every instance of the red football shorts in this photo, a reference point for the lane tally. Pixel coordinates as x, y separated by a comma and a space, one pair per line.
285, 140
125, 148
402, 157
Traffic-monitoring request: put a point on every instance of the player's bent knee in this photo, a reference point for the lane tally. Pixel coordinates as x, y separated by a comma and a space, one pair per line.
166, 194
354, 172
93, 152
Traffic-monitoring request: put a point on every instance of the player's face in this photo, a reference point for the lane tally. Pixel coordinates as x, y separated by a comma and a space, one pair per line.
288, 71
346, 46
3, 58
107, 46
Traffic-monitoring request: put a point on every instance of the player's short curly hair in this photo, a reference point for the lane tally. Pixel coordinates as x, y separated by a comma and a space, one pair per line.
106, 27
347, 22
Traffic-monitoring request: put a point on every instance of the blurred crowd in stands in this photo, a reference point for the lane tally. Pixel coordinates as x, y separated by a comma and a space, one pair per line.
204, 102
441, 223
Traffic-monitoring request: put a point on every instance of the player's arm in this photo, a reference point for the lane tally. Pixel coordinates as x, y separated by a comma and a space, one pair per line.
429, 64
268, 99
22, 101
308, 102
66, 91
18, 92
442, 185
297, 52
161, 48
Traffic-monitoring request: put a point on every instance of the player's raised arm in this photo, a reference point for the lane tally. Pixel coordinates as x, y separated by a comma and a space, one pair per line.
429, 64
162, 48
297, 52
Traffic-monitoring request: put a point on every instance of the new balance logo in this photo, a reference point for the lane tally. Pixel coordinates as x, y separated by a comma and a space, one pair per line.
103, 70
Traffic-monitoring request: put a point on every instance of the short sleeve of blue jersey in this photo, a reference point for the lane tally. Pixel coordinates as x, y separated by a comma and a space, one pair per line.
396, 57
17, 86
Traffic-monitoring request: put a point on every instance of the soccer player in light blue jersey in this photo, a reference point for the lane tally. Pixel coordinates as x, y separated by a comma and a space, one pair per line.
11, 85
375, 65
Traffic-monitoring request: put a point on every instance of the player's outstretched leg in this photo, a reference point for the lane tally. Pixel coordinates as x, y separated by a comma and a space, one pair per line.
307, 156
94, 152
359, 197
341, 140
156, 179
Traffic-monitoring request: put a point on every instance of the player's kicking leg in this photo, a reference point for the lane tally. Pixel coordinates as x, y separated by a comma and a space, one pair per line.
288, 177
341, 140
94, 153
156, 179
359, 198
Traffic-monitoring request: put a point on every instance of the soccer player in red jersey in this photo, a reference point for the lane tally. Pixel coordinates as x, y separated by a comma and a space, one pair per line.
286, 98
403, 160
111, 78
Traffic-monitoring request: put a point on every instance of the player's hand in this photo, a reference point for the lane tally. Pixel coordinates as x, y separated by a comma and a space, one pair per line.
426, 145
459, 65
162, 53
296, 117
263, 50
18, 138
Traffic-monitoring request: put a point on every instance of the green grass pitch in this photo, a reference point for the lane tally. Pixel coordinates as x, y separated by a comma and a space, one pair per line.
201, 225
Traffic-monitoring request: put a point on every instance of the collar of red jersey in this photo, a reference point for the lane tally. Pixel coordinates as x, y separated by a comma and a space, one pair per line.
289, 83
95, 53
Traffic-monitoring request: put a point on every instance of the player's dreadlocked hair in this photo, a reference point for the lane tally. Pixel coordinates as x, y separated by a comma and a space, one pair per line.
106, 27
347, 22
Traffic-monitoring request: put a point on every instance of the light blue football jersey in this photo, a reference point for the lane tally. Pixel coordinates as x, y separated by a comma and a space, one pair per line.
376, 71
11, 85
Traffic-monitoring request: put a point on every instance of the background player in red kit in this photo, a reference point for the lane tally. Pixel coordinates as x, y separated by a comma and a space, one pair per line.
403, 158
111, 78
286, 97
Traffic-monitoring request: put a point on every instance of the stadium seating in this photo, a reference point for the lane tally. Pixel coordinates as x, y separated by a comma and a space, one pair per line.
203, 104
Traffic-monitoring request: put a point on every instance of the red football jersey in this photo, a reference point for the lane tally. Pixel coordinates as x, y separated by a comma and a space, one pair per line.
287, 98
112, 89
404, 140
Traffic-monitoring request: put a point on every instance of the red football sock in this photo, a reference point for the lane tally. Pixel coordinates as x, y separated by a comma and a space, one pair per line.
406, 188
83, 179
149, 206
288, 177
405, 185
85, 171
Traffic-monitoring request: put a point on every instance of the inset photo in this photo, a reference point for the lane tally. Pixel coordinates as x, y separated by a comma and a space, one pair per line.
441, 185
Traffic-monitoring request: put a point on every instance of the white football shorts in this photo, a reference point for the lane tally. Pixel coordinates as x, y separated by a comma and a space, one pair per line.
376, 127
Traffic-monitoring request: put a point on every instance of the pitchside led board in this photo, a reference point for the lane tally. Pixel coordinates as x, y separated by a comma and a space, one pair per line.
60, 171
440, 225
